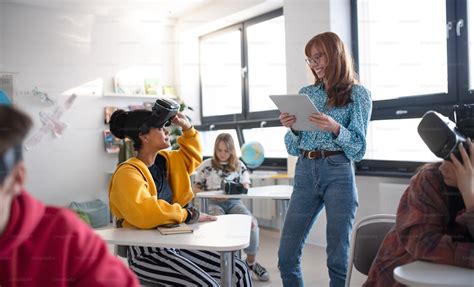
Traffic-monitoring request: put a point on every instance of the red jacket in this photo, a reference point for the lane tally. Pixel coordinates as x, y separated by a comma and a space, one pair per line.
48, 246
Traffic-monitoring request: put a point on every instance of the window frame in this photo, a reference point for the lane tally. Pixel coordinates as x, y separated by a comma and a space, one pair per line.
416, 106
246, 115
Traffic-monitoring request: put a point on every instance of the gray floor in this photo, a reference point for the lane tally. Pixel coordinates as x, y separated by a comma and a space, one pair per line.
314, 263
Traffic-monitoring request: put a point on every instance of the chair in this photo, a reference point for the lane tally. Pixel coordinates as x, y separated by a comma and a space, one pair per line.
367, 237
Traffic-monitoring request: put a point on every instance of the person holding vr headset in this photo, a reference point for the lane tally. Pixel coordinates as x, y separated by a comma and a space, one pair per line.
435, 216
43, 245
153, 188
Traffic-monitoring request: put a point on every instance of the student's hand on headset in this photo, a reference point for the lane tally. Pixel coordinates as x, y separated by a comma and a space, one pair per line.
465, 174
181, 120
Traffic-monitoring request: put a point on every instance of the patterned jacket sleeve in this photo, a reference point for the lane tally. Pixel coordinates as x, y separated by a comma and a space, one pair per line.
421, 220
352, 138
292, 140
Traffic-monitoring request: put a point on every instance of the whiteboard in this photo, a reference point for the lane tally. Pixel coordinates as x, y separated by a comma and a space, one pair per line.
299, 106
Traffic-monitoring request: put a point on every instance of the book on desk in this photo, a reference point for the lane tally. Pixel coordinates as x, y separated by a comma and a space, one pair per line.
174, 229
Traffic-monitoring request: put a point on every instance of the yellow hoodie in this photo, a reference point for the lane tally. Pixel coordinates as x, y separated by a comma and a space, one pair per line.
133, 194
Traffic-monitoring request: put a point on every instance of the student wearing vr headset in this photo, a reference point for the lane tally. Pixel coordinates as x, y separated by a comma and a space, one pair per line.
435, 216
153, 188
43, 245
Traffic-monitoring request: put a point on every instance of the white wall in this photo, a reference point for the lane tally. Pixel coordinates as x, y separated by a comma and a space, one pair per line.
56, 50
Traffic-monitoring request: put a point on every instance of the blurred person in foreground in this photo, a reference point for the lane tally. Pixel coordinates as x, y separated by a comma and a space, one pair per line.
43, 245
435, 216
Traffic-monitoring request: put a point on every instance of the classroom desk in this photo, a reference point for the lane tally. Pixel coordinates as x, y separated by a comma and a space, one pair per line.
281, 193
424, 274
230, 233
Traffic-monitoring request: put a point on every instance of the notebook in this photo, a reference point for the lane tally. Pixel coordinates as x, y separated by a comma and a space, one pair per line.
175, 229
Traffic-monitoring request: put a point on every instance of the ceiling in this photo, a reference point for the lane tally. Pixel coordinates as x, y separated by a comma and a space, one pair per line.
167, 8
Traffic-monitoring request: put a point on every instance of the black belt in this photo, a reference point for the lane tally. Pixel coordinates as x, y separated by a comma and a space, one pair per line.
315, 154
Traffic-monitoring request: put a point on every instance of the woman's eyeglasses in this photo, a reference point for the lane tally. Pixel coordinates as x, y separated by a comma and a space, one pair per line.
314, 60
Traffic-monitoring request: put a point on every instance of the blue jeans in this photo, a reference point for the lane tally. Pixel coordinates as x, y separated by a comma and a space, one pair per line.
235, 206
328, 182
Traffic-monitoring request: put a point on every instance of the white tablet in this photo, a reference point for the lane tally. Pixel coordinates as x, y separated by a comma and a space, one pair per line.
299, 106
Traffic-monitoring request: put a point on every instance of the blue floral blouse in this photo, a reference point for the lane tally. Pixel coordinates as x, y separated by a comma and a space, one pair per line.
353, 118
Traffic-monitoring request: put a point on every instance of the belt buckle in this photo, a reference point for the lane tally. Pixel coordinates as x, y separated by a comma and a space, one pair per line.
309, 155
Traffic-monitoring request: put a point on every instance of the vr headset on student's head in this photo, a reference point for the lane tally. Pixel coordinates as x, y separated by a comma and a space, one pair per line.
8, 160
443, 136
162, 113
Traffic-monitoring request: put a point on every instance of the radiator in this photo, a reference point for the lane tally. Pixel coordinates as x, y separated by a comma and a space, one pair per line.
389, 197
263, 208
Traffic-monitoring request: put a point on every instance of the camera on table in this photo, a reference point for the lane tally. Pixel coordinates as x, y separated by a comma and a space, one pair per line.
443, 136
231, 187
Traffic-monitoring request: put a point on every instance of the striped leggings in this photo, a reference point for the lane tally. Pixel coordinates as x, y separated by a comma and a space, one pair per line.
181, 267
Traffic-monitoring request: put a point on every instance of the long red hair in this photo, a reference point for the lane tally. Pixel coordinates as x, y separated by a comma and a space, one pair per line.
339, 74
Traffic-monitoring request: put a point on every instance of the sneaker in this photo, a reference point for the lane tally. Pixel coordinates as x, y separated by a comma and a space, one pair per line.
259, 271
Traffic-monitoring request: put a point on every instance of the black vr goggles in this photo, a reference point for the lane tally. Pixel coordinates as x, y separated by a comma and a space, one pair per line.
442, 136
8, 160
163, 112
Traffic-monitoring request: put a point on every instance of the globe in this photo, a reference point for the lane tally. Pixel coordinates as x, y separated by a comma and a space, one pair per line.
4, 100
252, 154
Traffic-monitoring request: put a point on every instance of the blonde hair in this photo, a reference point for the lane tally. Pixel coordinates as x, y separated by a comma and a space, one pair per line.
233, 162
340, 74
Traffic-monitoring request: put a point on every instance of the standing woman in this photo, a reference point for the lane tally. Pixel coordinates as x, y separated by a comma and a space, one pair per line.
324, 174
154, 188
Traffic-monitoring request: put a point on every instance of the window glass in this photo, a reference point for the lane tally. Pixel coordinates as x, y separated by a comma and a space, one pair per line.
221, 80
208, 139
402, 47
397, 140
271, 138
266, 63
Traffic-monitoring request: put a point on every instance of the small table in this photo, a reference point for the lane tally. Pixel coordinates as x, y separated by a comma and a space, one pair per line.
424, 274
229, 234
280, 193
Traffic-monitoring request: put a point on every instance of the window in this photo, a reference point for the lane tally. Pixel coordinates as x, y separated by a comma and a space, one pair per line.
240, 66
412, 60
397, 140
403, 52
271, 139
266, 63
208, 139
220, 73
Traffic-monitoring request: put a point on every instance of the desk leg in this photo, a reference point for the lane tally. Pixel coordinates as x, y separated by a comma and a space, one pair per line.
204, 205
284, 203
227, 268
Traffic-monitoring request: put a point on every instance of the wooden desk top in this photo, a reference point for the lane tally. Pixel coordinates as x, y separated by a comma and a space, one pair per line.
280, 192
421, 273
229, 233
